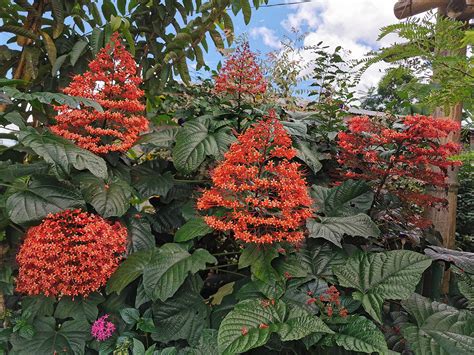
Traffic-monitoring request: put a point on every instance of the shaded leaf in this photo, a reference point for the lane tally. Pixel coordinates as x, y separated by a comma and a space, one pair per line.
379, 276
41, 197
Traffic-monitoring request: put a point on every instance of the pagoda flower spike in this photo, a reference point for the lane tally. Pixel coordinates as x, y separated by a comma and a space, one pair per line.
262, 192
241, 75
112, 81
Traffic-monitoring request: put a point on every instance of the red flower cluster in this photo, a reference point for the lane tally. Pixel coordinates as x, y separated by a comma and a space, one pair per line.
399, 156
113, 83
70, 253
241, 74
263, 195
329, 301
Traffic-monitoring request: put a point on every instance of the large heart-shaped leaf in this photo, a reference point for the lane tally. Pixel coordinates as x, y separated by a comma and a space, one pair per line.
151, 183
164, 269
306, 154
70, 338
169, 267
347, 199
251, 322
79, 307
62, 154
379, 276
334, 228
163, 138
184, 316
242, 330
361, 335
437, 328
41, 197
129, 270
195, 141
300, 323
109, 199
260, 262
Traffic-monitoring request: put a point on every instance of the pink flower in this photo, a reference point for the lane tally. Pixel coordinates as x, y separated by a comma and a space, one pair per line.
102, 329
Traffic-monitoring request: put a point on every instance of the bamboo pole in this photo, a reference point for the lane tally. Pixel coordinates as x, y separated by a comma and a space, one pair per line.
456, 9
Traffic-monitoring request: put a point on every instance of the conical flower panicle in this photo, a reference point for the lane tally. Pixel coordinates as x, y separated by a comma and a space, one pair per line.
241, 76
263, 193
112, 81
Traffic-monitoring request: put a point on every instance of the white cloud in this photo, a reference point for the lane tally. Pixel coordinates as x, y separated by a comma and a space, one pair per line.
267, 35
354, 25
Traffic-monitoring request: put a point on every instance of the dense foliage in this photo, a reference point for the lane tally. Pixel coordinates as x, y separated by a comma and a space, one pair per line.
207, 219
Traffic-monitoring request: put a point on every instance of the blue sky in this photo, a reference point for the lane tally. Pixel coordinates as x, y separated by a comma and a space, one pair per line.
354, 24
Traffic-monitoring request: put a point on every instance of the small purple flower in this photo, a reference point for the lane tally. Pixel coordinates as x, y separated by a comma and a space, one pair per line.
102, 329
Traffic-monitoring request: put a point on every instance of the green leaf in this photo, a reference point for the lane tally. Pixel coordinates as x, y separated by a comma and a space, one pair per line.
379, 276
195, 141
41, 197
169, 268
129, 270
70, 338
58, 15
62, 154
195, 227
349, 198
76, 51
151, 183
139, 230
309, 157
110, 199
58, 64
334, 228
241, 329
465, 284
260, 262
463, 260
79, 307
183, 71
300, 323
130, 315
97, 40
10, 172
164, 269
37, 306
223, 291
50, 47
184, 316
437, 328
51, 97
163, 138
246, 10
360, 334
18, 30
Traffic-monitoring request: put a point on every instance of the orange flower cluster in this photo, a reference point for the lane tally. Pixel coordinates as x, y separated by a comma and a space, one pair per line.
112, 81
329, 301
70, 253
262, 195
400, 155
241, 74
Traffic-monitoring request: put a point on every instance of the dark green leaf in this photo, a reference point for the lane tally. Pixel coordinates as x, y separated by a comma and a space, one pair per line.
70, 338
195, 227
62, 154
79, 307
110, 199
40, 198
